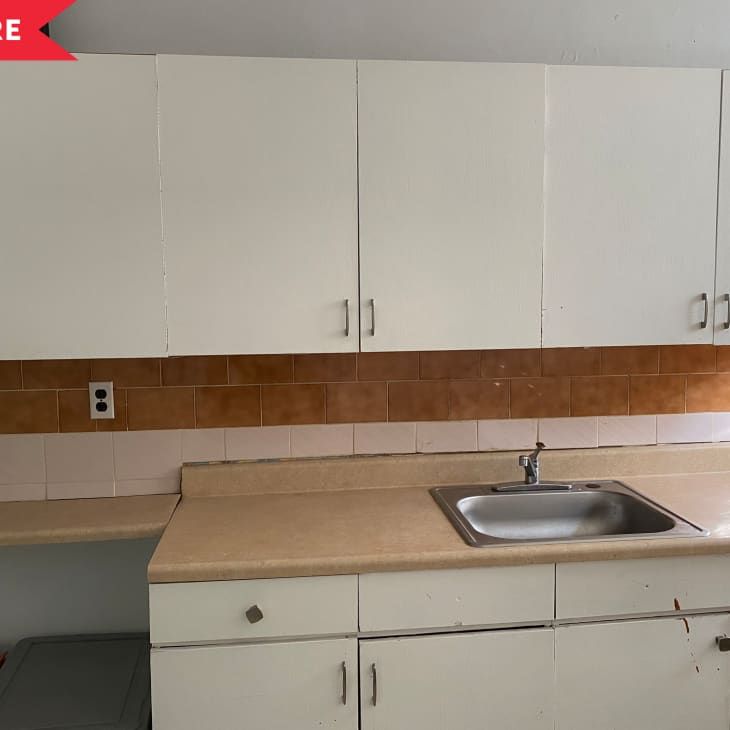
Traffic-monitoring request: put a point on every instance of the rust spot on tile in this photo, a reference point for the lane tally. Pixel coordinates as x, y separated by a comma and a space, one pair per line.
686, 624
677, 607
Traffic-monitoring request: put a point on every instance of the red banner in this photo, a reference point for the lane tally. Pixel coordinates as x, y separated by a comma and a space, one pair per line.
21, 38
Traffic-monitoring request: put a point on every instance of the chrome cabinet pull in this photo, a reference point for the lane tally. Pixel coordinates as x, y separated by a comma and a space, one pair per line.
254, 614
723, 643
726, 324
375, 684
347, 317
703, 298
344, 683
372, 314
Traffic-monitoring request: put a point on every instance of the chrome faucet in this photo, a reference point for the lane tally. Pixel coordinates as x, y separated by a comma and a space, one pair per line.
531, 464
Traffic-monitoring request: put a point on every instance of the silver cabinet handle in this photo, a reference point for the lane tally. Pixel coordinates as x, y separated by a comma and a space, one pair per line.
375, 684
723, 643
703, 298
347, 317
372, 315
344, 683
726, 324
254, 614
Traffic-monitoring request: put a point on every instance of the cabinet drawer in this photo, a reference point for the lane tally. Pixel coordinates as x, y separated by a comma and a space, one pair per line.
446, 598
186, 613
654, 585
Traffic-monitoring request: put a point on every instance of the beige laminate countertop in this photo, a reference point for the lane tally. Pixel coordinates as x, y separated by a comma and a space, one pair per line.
218, 534
85, 520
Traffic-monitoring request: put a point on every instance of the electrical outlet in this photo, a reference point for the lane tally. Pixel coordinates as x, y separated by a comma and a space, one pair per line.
101, 400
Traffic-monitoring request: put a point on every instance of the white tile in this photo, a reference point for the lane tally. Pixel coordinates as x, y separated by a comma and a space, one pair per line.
385, 438
130, 487
507, 434
326, 440
79, 457
204, 444
626, 430
80, 490
22, 492
568, 433
721, 426
147, 454
446, 436
268, 442
684, 428
22, 460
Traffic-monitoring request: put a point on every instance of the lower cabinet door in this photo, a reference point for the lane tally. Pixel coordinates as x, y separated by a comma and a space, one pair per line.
502, 680
632, 675
285, 686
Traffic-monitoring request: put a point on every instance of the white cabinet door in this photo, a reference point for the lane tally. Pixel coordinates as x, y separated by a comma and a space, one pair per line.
305, 685
630, 204
722, 285
81, 271
499, 679
451, 213
634, 675
259, 194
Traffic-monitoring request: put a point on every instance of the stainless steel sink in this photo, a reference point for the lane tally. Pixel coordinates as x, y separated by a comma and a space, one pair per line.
504, 514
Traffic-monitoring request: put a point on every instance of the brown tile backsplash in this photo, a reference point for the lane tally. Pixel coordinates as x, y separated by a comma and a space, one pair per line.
387, 366
418, 401
602, 395
540, 397
472, 399
10, 375
260, 369
357, 402
153, 408
248, 390
649, 394
331, 367
571, 361
198, 370
134, 372
511, 363
629, 360
445, 364
46, 374
292, 404
228, 405
28, 412
687, 359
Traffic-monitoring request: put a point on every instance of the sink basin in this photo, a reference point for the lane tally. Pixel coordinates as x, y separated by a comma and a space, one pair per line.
505, 514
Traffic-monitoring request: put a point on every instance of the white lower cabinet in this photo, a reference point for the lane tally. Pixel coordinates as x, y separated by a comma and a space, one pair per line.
486, 679
280, 686
632, 675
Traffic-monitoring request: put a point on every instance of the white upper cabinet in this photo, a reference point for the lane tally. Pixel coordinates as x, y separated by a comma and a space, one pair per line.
722, 285
451, 213
81, 272
259, 201
630, 206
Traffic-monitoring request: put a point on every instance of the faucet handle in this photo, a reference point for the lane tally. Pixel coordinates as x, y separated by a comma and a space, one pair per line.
539, 446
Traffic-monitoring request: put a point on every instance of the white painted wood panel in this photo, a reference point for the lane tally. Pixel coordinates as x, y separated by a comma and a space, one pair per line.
630, 199
650, 586
500, 679
453, 598
722, 281
182, 613
451, 211
286, 686
633, 675
81, 270
259, 192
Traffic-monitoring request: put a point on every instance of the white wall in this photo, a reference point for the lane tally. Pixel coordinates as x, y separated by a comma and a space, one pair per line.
618, 32
77, 588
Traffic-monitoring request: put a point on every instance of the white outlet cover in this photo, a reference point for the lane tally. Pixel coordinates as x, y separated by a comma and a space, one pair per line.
101, 394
